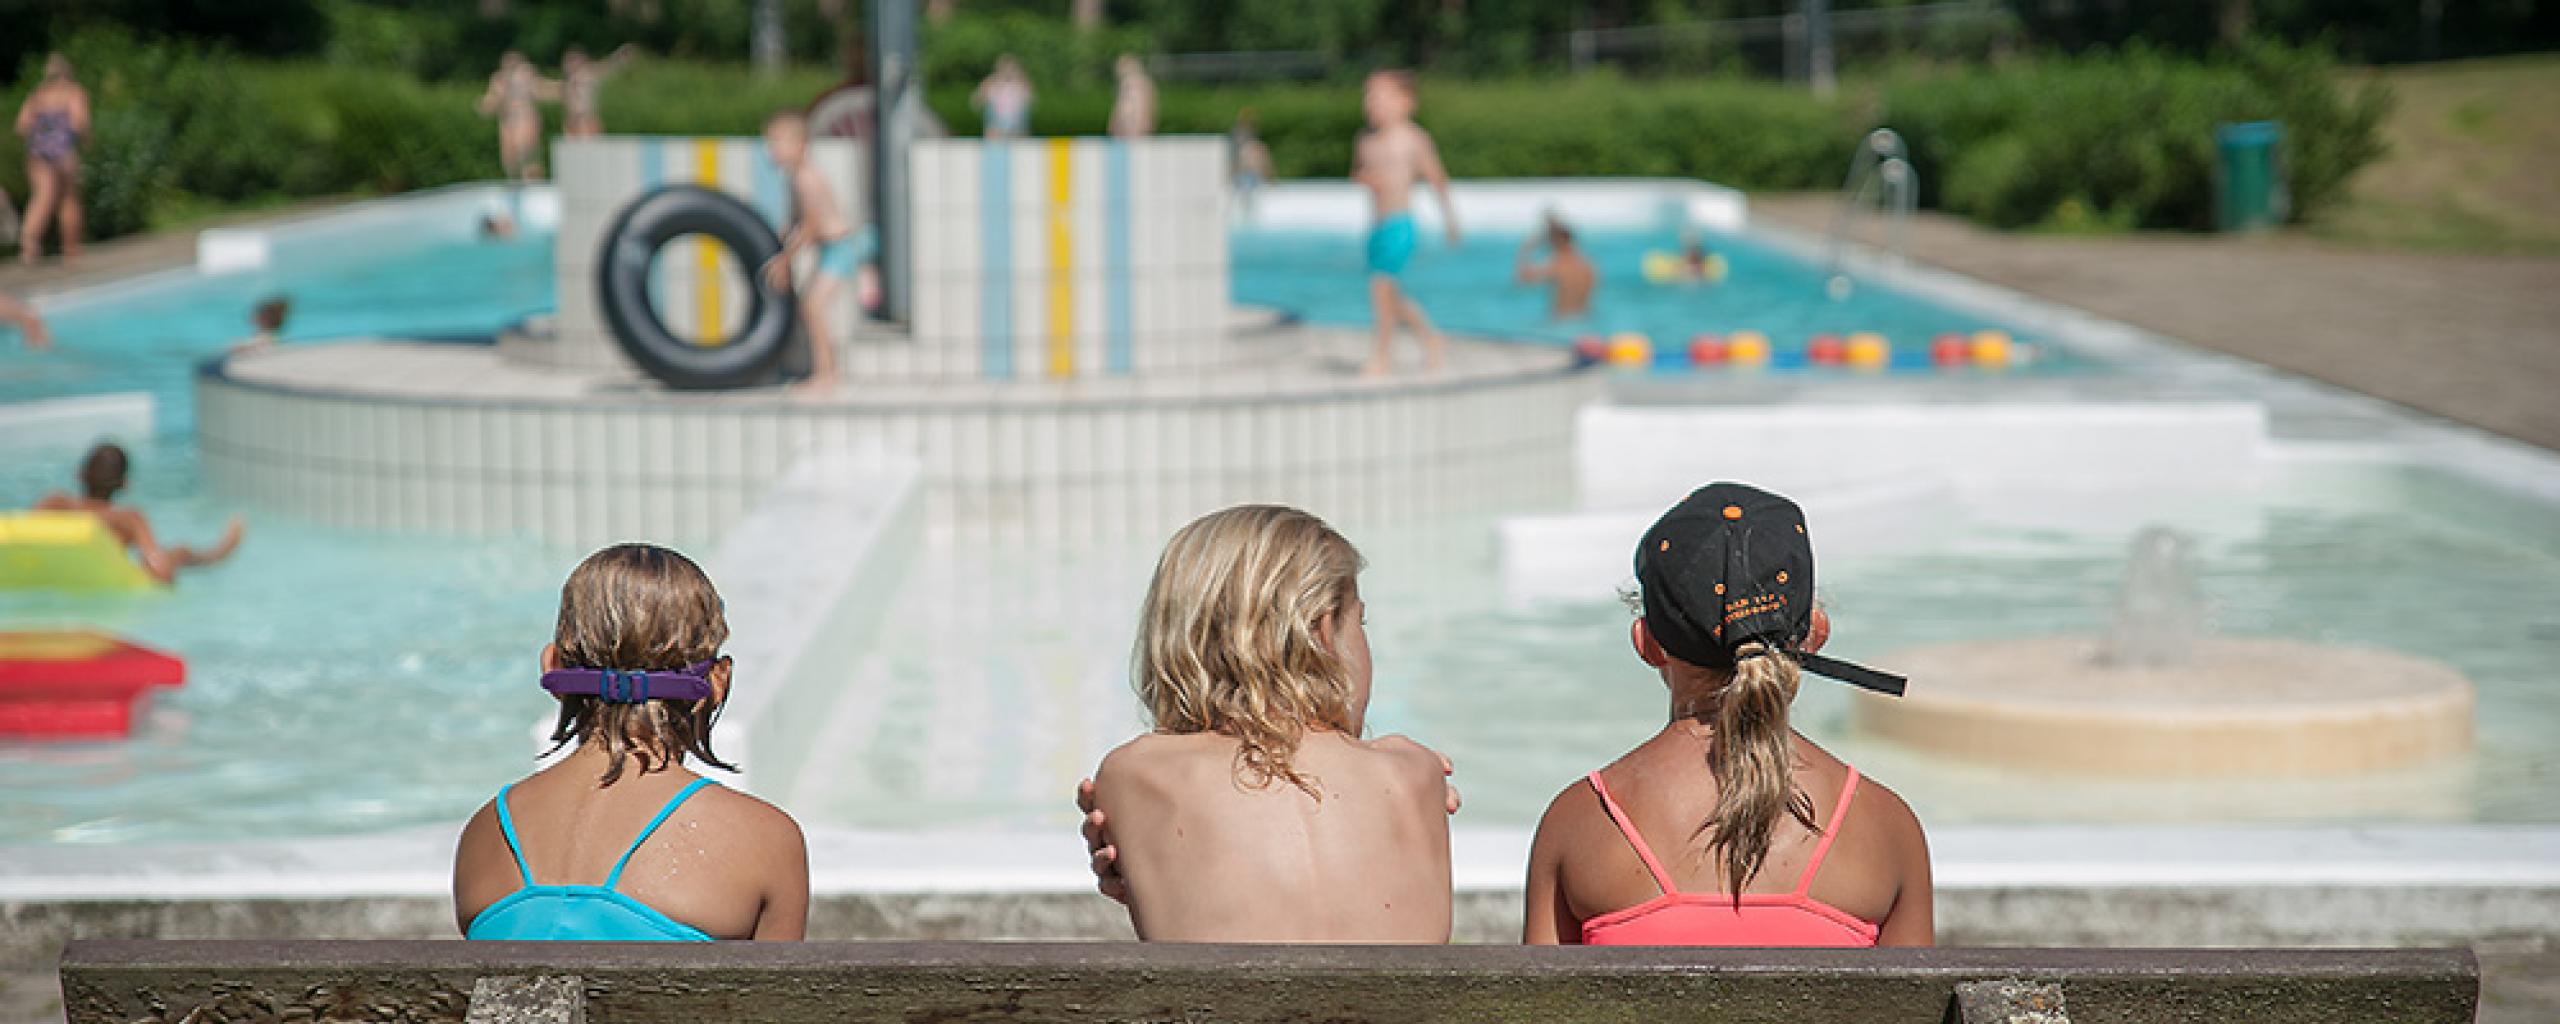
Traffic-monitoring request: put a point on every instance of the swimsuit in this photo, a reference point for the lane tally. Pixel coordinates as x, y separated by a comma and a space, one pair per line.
839, 258
1391, 244
1009, 109
52, 139
581, 912
1678, 918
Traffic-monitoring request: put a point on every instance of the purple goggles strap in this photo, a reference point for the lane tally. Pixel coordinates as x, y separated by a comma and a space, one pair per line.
692, 682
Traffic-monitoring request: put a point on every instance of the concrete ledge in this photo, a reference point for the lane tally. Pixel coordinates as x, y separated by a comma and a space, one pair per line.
785, 982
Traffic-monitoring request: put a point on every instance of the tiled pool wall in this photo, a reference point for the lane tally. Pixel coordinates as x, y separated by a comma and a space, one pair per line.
1063, 258
693, 281
1048, 258
1040, 466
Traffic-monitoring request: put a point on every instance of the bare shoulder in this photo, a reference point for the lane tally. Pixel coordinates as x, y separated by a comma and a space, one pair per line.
1405, 759
1574, 804
747, 817
55, 502
1877, 806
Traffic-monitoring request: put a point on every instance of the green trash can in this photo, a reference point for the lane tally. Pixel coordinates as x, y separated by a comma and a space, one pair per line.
2248, 192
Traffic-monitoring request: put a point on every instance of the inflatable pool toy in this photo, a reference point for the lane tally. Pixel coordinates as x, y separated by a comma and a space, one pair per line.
64, 551
1826, 350
77, 684
1948, 349
1869, 350
1747, 348
1706, 350
1990, 348
1662, 266
1628, 348
746, 358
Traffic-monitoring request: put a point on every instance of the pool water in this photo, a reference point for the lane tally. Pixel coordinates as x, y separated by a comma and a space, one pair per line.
338, 681
345, 682
1469, 289
959, 724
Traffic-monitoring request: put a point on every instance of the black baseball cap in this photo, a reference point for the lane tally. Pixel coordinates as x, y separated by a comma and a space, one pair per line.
1731, 564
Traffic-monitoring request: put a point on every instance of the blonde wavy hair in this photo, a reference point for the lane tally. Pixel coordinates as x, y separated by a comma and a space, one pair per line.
1227, 638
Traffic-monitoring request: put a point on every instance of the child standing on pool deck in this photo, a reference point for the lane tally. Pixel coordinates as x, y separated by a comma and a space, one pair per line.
816, 219
1388, 158
1255, 812
620, 841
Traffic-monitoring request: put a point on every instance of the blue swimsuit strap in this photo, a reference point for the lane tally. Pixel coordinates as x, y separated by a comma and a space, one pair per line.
616, 877
507, 827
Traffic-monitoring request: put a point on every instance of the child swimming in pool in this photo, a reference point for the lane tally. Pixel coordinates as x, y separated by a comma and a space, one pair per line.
1255, 812
1389, 157
620, 840
817, 219
1728, 828
102, 474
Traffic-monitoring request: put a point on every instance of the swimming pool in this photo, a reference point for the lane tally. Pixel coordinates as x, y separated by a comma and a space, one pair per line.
347, 682
338, 682
956, 724
1469, 289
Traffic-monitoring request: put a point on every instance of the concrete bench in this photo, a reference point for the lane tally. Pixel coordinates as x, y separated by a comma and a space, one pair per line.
559, 983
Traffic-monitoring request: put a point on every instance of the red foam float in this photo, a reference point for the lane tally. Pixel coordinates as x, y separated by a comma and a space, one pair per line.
1948, 350
1826, 350
1706, 350
77, 684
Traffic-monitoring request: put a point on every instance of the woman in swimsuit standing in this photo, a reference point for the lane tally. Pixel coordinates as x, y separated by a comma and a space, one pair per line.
581, 79
1757, 836
54, 121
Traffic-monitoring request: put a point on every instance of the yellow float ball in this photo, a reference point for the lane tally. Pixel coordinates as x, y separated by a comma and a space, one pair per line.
1991, 348
1661, 267
1868, 350
1747, 348
1627, 348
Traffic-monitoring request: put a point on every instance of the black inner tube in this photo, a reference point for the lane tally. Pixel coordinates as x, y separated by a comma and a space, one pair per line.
749, 357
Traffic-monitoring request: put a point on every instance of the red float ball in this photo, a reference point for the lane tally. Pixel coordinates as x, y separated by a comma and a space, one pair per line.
1590, 348
1706, 350
1826, 350
1947, 350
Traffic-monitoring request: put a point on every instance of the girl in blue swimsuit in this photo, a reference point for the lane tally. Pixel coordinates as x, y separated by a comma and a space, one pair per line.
619, 840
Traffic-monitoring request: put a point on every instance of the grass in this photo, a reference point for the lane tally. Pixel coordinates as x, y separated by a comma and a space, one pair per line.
2474, 162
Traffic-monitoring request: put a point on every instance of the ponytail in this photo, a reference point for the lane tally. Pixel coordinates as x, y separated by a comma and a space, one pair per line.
1753, 759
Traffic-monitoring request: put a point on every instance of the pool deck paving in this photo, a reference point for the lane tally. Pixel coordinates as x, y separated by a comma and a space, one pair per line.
2471, 338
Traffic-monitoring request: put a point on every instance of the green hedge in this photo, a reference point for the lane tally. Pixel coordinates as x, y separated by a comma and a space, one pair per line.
2105, 140
2118, 140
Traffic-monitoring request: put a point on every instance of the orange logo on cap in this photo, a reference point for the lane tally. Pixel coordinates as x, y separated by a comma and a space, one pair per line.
1666, 545
1733, 511
1782, 575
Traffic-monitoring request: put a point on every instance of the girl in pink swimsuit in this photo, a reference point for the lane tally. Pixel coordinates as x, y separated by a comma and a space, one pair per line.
1727, 828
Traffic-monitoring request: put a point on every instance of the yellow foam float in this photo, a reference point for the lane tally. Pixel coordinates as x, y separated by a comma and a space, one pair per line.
64, 551
1628, 348
1662, 266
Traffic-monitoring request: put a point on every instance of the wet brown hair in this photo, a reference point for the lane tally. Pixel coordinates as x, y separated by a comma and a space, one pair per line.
640, 607
269, 315
102, 473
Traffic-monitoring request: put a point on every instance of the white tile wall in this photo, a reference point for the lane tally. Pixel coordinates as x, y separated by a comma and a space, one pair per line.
591, 473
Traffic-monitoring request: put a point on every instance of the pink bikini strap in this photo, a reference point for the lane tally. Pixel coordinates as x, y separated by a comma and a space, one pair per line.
1822, 848
1660, 877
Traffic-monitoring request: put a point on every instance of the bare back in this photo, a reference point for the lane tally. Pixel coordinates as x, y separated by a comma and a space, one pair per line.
1210, 859
1581, 866
724, 862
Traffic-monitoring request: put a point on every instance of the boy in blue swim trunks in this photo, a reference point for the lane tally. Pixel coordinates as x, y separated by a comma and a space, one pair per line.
817, 220
1388, 158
